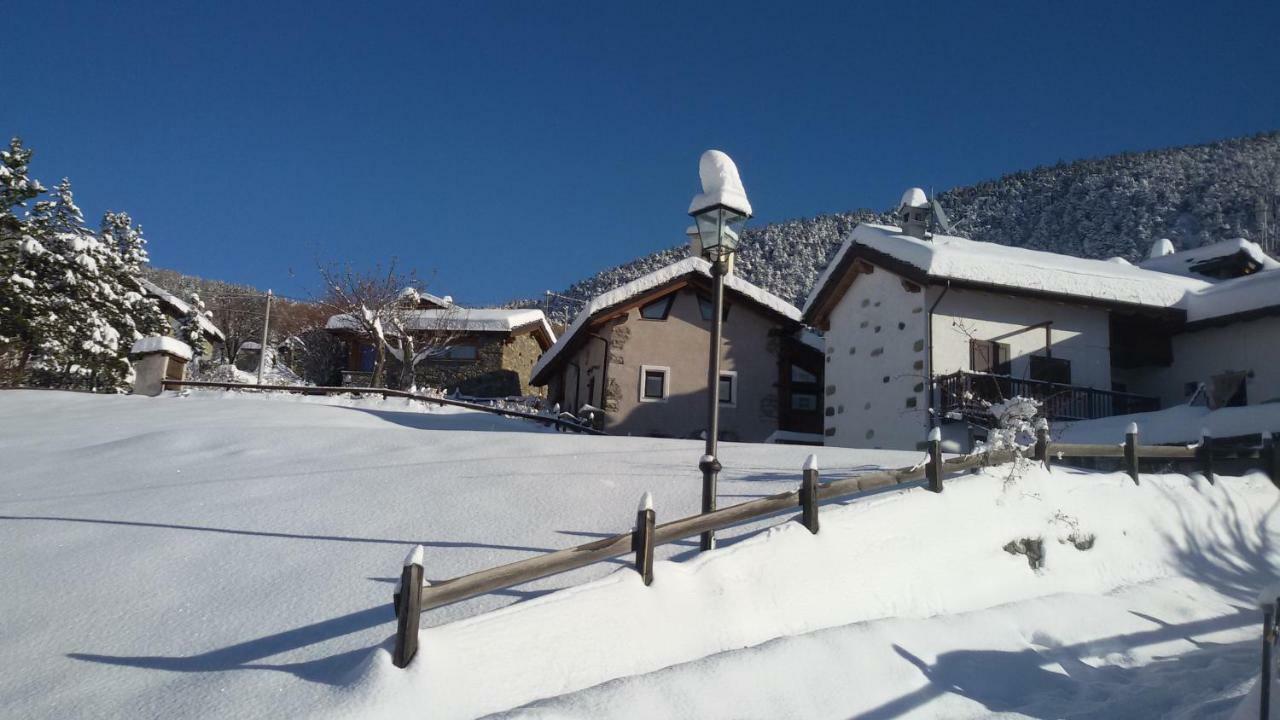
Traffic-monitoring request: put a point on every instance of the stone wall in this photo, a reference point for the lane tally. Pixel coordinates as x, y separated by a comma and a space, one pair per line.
518, 356
501, 368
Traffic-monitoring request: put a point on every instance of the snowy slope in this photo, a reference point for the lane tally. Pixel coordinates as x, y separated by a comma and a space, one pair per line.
1130, 575
233, 556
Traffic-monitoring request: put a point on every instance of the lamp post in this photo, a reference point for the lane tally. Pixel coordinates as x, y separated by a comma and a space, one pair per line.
718, 212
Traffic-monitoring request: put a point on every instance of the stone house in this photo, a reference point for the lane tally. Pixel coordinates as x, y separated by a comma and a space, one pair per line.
490, 352
923, 328
638, 355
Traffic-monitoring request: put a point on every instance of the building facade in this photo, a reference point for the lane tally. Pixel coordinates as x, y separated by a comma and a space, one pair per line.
481, 352
925, 329
637, 356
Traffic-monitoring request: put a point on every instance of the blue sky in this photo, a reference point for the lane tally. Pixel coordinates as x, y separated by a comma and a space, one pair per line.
509, 148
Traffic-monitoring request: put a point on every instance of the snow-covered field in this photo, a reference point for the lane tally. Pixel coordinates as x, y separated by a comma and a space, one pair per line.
233, 556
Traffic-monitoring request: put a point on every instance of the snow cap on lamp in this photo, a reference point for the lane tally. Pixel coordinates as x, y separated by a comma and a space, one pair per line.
720, 185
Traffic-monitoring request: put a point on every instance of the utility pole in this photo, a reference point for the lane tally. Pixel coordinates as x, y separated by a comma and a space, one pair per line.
262, 351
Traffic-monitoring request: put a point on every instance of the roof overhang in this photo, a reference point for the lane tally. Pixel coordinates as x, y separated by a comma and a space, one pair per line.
578, 334
860, 259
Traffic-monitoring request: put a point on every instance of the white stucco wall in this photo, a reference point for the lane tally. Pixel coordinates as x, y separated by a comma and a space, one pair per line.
1251, 346
1079, 334
875, 383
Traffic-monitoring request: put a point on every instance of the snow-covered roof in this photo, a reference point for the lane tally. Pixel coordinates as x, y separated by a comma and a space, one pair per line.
944, 257
456, 319
662, 276
1188, 262
1231, 297
181, 307
250, 345
423, 297
161, 344
813, 340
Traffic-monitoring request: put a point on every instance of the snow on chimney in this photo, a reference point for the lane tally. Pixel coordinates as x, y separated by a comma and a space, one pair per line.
914, 213
1160, 248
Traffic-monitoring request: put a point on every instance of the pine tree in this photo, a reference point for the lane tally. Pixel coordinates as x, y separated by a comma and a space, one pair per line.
22, 303
192, 332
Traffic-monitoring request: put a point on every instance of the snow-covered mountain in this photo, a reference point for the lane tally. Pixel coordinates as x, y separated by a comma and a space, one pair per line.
1105, 207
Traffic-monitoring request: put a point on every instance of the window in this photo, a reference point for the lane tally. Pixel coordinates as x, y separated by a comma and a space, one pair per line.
989, 357
658, 309
807, 402
1054, 370
1228, 390
654, 385
706, 308
459, 353
591, 390
729, 388
800, 375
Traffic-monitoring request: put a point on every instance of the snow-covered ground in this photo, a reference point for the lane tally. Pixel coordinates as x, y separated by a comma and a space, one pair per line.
1178, 424
232, 555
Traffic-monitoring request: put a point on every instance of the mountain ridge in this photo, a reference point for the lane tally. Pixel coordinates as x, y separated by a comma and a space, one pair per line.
1110, 206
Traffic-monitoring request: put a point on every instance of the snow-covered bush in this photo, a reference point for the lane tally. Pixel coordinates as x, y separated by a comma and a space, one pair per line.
1015, 423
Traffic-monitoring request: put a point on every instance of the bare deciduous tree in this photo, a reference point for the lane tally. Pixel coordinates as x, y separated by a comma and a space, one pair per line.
385, 309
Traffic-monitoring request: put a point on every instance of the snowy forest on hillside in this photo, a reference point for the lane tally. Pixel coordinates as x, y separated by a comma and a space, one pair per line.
1108, 207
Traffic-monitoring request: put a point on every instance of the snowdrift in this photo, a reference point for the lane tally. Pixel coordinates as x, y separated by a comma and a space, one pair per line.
1000, 538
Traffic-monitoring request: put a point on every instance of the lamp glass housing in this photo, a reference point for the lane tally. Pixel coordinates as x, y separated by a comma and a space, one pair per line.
719, 229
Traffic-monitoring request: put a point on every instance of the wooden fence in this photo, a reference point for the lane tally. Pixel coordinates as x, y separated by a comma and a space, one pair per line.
559, 421
1270, 605
413, 597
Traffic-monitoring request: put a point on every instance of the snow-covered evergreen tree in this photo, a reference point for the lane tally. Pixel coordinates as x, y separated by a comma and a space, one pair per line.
192, 331
22, 304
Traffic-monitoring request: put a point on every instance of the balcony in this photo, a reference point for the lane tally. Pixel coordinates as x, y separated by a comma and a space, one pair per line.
963, 393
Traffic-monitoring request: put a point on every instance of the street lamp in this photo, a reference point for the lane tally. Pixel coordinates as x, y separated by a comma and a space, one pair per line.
719, 213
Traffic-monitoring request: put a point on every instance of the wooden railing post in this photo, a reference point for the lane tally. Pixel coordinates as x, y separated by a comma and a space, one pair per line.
408, 605
1268, 640
642, 538
933, 471
1271, 457
1131, 451
809, 494
1042, 442
1205, 455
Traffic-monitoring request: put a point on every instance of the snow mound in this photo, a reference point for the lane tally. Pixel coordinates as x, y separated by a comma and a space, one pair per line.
908, 555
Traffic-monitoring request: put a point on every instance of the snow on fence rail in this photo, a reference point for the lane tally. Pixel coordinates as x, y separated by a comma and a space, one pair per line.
560, 421
413, 596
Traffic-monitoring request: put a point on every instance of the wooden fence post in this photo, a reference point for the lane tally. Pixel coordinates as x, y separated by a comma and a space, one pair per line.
809, 494
1205, 453
1131, 451
1268, 630
408, 604
933, 470
1271, 457
1042, 442
642, 538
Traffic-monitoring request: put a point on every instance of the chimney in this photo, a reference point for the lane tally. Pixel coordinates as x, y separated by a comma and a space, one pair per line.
914, 213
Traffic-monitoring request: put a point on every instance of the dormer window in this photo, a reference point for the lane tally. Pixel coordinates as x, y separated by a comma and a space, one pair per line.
658, 309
